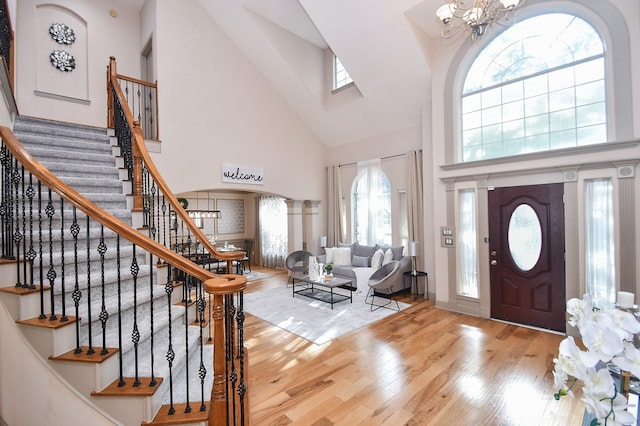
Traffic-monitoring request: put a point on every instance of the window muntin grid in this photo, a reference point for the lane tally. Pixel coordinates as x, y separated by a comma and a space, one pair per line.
340, 75
529, 92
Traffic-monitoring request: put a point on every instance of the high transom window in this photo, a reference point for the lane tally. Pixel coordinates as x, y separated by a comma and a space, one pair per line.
340, 75
538, 86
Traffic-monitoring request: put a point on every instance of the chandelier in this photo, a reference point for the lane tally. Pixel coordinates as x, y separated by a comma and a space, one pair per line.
205, 214
475, 15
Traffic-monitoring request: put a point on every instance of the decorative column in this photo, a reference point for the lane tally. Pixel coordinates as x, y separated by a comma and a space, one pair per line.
295, 227
312, 226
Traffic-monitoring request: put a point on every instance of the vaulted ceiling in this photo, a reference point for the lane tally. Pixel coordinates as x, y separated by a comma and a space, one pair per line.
378, 41
383, 44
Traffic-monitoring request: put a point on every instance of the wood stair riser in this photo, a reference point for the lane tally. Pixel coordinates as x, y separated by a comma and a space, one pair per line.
88, 377
130, 410
25, 306
50, 342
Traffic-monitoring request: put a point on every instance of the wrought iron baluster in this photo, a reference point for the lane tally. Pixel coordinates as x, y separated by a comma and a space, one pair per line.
163, 209
135, 334
6, 207
25, 284
5, 35
209, 322
139, 101
171, 355
242, 388
17, 236
121, 382
230, 312
40, 252
104, 315
51, 273
202, 371
151, 284
90, 350
187, 408
31, 253
152, 232
76, 295
145, 196
64, 317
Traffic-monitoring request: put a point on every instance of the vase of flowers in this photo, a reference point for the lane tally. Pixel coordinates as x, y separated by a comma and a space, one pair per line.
607, 336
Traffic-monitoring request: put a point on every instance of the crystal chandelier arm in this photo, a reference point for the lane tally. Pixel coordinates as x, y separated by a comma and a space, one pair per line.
475, 15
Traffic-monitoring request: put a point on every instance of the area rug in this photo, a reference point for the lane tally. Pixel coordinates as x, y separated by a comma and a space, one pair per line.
254, 275
311, 319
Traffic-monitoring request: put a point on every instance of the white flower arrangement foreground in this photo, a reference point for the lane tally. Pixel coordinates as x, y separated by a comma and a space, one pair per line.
607, 335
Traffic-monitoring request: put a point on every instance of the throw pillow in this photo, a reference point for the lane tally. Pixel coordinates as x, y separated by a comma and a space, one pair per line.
388, 257
366, 251
376, 260
341, 256
397, 252
359, 261
329, 254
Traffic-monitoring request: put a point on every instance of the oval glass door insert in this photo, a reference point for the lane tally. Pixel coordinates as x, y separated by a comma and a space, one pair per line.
525, 237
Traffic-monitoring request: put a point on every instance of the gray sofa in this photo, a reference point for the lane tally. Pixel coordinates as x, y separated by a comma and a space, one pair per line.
361, 257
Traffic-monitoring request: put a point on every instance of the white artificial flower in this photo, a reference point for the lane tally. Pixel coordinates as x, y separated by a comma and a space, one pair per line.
573, 361
630, 361
604, 342
607, 334
580, 310
598, 389
625, 321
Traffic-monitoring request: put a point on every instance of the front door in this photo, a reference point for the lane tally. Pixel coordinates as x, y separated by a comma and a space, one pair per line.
526, 254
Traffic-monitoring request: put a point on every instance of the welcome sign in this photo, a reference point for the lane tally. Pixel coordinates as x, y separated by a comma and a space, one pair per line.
233, 173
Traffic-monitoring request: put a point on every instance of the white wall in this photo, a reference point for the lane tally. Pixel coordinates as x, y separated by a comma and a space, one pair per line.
53, 402
216, 108
78, 96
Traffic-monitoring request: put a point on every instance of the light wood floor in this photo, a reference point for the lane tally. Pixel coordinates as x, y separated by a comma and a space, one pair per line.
422, 366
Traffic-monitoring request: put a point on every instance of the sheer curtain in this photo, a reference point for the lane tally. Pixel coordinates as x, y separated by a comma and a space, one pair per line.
415, 216
599, 247
272, 219
369, 218
468, 281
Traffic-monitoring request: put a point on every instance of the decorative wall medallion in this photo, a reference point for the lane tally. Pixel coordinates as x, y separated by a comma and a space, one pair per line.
62, 60
62, 34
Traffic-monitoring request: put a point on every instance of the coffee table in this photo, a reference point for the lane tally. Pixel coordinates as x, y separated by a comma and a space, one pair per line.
323, 290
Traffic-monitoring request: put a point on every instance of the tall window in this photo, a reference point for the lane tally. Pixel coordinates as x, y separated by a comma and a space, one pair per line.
599, 247
467, 244
538, 86
272, 215
371, 205
340, 75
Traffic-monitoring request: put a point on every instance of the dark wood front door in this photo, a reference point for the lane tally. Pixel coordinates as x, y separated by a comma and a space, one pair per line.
526, 254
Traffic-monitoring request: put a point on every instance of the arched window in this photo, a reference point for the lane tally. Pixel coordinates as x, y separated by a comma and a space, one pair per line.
538, 86
371, 197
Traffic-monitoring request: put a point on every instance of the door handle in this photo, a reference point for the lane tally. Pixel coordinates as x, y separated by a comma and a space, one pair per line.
494, 262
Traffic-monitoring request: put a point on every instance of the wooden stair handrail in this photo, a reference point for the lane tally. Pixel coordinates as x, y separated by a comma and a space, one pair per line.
140, 150
105, 218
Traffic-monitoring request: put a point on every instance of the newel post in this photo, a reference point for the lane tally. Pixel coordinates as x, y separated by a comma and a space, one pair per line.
138, 203
222, 395
112, 75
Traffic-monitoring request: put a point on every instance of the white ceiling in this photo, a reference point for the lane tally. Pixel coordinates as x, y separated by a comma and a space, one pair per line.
380, 43
376, 40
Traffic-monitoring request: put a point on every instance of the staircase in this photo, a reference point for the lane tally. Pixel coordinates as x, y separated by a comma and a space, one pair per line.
127, 312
